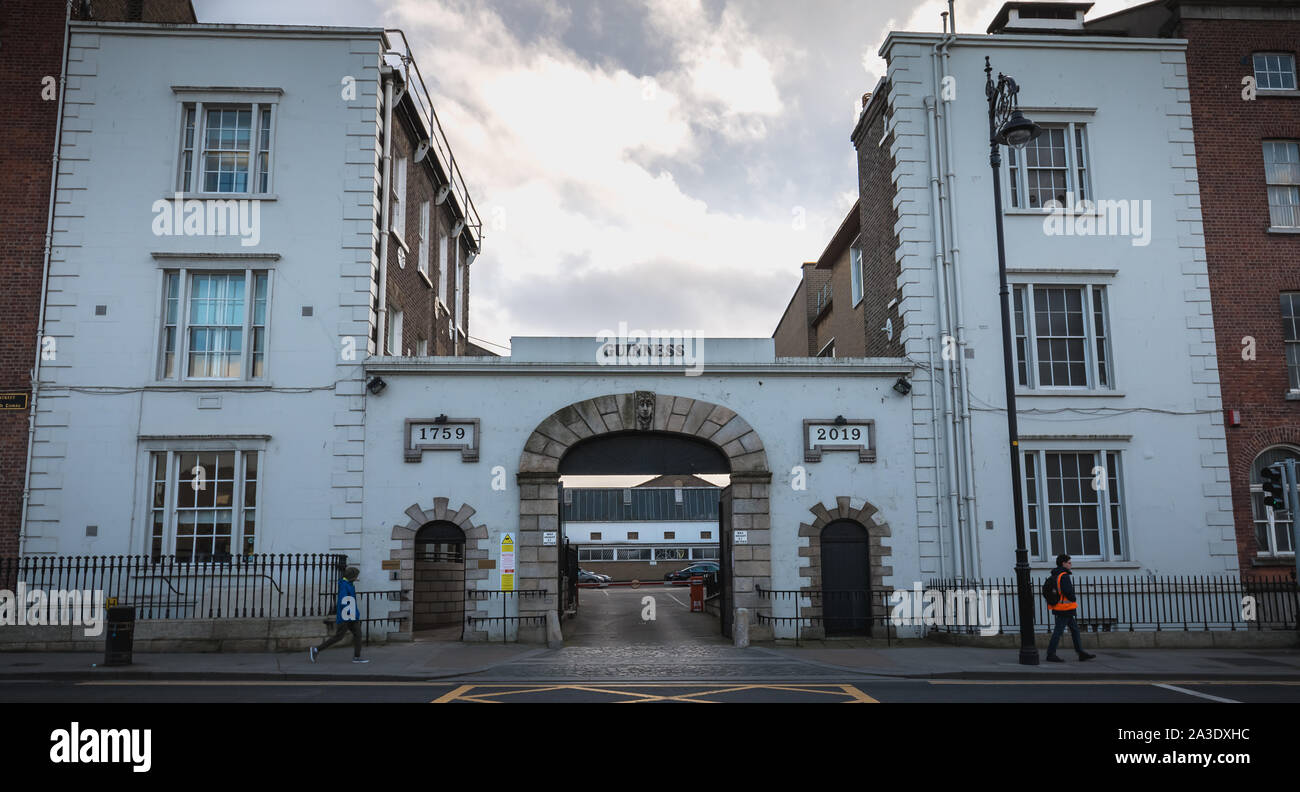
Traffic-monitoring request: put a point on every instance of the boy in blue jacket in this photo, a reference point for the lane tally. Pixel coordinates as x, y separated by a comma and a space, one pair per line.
347, 618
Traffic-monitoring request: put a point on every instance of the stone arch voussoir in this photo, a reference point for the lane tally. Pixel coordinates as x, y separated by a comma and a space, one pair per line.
403, 552
845, 507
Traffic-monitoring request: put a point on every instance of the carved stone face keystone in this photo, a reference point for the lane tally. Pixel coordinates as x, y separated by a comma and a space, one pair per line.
645, 410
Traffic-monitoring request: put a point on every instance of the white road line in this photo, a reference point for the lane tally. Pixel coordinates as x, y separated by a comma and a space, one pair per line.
1177, 689
679, 602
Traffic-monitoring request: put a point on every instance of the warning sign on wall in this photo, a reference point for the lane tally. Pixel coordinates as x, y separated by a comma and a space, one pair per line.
507, 563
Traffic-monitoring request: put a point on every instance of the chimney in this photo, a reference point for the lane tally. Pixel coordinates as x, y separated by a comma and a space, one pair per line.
1029, 18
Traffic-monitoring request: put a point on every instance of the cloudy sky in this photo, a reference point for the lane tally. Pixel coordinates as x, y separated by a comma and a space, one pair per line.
665, 163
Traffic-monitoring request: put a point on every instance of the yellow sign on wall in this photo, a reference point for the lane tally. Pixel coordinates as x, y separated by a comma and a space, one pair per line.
507, 563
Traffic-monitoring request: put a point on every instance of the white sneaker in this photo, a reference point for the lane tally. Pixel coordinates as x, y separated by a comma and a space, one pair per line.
360, 660
314, 651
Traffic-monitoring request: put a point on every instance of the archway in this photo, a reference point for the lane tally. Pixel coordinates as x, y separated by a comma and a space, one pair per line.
638, 432
438, 601
475, 558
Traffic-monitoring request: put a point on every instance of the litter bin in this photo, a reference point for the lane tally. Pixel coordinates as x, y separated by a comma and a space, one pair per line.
120, 635
697, 594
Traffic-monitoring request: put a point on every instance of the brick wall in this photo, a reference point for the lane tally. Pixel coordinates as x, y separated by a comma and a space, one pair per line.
134, 10
408, 290
1248, 266
877, 239
791, 335
31, 47
844, 321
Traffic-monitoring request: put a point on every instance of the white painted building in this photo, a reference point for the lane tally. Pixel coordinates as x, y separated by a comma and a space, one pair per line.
1121, 385
202, 392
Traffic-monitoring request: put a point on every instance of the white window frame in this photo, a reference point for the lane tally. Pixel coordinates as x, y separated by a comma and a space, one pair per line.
256, 99
185, 276
829, 345
459, 296
1090, 337
1035, 454
855, 275
1016, 180
1254, 65
173, 450
440, 279
393, 343
1291, 346
397, 200
1292, 186
423, 261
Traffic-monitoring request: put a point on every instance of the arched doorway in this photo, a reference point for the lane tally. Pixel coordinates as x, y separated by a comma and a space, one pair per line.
846, 578
641, 427
439, 591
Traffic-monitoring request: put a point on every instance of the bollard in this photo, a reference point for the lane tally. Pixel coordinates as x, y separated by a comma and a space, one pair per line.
554, 637
740, 628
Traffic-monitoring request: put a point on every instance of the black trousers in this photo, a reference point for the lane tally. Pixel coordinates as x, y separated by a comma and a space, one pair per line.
344, 629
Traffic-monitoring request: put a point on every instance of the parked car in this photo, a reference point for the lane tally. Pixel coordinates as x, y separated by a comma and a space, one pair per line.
591, 577
702, 568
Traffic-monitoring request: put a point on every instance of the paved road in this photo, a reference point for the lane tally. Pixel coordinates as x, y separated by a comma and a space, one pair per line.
823, 691
613, 617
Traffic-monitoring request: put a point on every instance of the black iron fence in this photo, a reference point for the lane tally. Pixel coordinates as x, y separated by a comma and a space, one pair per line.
837, 612
1131, 603
365, 614
481, 622
241, 587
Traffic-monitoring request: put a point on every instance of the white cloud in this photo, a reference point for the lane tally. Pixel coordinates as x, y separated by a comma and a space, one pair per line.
553, 149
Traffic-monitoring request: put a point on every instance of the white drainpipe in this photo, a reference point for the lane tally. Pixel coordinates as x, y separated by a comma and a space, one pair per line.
45, 279
972, 521
952, 475
386, 168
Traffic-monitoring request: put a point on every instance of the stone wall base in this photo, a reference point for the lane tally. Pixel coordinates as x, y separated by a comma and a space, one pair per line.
183, 635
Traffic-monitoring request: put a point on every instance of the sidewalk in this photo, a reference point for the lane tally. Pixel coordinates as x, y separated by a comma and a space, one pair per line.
524, 662
388, 663
963, 662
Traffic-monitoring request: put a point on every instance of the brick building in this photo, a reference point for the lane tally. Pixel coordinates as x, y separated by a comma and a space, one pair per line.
1248, 159
824, 316
31, 69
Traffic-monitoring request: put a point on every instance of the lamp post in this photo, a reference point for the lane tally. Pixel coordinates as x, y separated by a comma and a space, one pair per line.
1008, 126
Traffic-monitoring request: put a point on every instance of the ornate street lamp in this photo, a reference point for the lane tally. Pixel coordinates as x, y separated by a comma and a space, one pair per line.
1009, 127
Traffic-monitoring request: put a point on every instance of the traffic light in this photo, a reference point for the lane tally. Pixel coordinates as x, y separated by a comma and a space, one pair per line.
1274, 494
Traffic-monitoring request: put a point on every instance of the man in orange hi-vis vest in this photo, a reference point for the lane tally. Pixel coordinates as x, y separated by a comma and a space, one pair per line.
1064, 611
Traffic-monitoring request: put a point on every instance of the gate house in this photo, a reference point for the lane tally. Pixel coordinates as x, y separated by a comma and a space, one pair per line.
479, 445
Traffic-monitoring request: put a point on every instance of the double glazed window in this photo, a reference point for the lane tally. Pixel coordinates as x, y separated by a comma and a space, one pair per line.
1062, 336
204, 504
225, 148
1052, 167
214, 325
1073, 504
1282, 175
1274, 71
